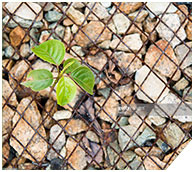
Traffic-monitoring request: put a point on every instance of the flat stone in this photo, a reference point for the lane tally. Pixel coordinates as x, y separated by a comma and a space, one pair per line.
170, 158
53, 16
24, 11
162, 145
173, 23
151, 165
164, 66
23, 132
189, 29
128, 7
62, 114
67, 35
121, 23
24, 50
141, 15
92, 136
152, 86
78, 51
132, 41
98, 9
181, 84
9, 53
155, 151
173, 134
159, 7
92, 29
77, 159
184, 52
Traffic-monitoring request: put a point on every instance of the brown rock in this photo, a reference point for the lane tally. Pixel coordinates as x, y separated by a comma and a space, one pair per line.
182, 146
5, 152
189, 30
165, 66
155, 151
67, 22
141, 15
134, 29
151, 165
17, 35
170, 158
93, 30
27, 166
7, 64
24, 132
181, 15
128, 7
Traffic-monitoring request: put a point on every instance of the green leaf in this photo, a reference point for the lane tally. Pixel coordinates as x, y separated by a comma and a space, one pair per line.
84, 78
72, 67
65, 91
52, 51
40, 79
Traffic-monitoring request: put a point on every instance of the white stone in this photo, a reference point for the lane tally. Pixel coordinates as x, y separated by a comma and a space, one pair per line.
63, 152
62, 114
106, 4
78, 51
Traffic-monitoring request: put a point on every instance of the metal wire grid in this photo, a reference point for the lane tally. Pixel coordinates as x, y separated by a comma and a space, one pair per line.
92, 124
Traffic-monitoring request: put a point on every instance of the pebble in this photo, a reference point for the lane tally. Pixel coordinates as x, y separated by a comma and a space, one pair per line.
173, 135
141, 15
45, 35
152, 86
23, 132
106, 4
74, 28
173, 22
151, 165
78, 158
155, 151
122, 122
184, 52
24, 50
23, 22
136, 164
92, 136
48, 7
24, 11
181, 84
105, 44
133, 42
53, 16
34, 34
67, 35
78, 4
170, 158
17, 35
92, 29
98, 9
121, 23
159, 7
189, 30
62, 114
155, 118
164, 66
78, 51
56, 164
59, 31
9, 51
67, 22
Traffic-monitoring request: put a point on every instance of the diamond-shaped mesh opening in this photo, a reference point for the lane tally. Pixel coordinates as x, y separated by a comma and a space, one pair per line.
140, 114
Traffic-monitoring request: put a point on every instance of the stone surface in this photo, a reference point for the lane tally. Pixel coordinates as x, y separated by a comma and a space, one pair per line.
164, 66
188, 72
173, 134
136, 164
67, 22
45, 35
166, 32
151, 165
132, 41
59, 30
188, 95
98, 9
24, 11
189, 30
17, 35
62, 114
183, 9
155, 151
92, 29
9, 53
155, 118
184, 53
78, 4
152, 86
63, 152
92, 136
121, 23
106, 4
23, 132
141, 15
53, 16
5, 153
181, 84
47, 7
24, 50
128, 7
77, 50
7, 64
77, 158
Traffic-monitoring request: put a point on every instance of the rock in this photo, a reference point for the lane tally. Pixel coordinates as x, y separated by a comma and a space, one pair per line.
62, 114
78, 51
53, 16
92, 29
183, 9
128, 157
24, 50
128, 7
182, 146
74, 28
135, 121
34, 34
23, 132
173, 134
181, 84
136, 164
92, 136
78, 4
127, 60
121, 23
56, 164
17, 35
141, 15
110, 107
45, 35
164, 66
188, 93
166, 32
77, 159
162, 145
98, 9
149, 25
59, 30
26, 166
188, 72
106, 4
10, 53
104, 44
75, 15
7, 64
170, 158
184, 52
133, 42
155, 151
67, 35
23, 22
49, 6
97, 61
67, 22
24, 11
63, 152
122, 122
156, 118
5, 153
74, 126
189, 30
159, 7
152, 86
49, 109
151, 165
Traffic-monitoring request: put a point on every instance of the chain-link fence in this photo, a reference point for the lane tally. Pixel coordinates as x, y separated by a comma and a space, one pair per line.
140, 114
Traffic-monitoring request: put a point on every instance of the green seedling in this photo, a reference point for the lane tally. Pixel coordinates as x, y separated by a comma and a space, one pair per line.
53, 51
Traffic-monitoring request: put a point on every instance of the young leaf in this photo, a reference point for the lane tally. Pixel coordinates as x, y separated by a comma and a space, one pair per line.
41, 79
65, 91
52, 51
72, 67
84, 78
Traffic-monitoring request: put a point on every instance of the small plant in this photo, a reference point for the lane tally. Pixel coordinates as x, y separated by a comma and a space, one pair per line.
53, 51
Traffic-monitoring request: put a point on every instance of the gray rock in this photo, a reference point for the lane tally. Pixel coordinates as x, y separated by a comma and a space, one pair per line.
155, 118
53, 16
34, 37
24, 50
9, 52
136, 164
162, 145
122, 122
92, 136
59, 31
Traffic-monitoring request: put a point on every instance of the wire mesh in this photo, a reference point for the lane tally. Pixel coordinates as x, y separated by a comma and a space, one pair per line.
98, 116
